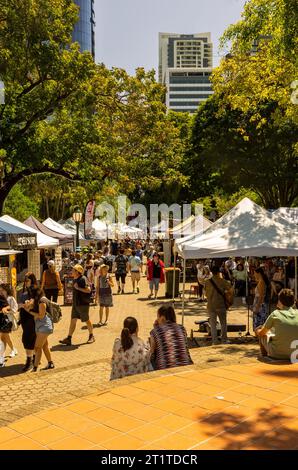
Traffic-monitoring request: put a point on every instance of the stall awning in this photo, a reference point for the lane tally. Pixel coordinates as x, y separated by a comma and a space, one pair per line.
246, 230
13, 237
36, 225
43, 241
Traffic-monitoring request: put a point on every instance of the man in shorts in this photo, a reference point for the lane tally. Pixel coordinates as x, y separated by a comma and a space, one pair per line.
121, 262
80, 306
135, 263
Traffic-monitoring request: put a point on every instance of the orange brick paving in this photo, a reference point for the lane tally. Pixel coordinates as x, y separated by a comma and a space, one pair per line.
251, 406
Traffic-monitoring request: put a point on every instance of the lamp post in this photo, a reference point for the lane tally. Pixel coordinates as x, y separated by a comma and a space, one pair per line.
77, 218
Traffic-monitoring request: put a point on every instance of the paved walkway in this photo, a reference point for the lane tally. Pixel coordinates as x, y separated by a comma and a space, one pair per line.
253, 406
81, 379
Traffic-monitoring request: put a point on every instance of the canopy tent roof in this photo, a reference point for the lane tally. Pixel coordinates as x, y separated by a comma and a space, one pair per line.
288, 213
123, 230
43, 241
246, 230
56, 227
190, 226
36, 225
9, 252
14, 237
70, 226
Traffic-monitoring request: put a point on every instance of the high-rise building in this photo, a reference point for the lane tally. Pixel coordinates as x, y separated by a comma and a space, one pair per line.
185, 66
84, 30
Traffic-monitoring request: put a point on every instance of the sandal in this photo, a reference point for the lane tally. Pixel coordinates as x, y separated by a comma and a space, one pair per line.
49, 366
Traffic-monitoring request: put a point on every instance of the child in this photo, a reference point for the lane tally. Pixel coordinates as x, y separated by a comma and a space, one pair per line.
104, 290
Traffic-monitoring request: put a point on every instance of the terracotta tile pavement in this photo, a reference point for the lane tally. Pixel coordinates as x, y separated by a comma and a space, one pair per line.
198, 416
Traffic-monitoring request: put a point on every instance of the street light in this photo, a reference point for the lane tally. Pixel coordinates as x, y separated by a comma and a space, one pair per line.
77, 217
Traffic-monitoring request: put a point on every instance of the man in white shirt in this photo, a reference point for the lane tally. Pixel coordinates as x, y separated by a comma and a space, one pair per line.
134, 266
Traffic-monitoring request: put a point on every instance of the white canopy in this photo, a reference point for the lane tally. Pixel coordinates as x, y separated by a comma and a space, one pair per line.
102, 229
123, 230
9, 252
190, 226
43, 241
70, 226
288, 213
56, 227
246, 230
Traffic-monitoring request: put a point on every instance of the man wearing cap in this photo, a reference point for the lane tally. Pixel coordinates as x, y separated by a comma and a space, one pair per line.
51, 282
80, 306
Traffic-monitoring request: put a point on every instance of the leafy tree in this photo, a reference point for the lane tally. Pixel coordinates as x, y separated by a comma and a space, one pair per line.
246, 134
19, 205
65, 115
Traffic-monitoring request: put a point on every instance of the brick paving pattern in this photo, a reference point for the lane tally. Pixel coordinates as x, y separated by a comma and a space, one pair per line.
83, 371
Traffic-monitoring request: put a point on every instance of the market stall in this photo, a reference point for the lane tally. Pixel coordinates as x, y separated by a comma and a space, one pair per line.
246, 230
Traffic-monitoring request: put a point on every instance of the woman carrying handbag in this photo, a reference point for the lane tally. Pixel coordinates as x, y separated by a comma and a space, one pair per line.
5, 328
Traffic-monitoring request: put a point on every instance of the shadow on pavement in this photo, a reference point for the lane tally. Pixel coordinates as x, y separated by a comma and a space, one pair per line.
8, 371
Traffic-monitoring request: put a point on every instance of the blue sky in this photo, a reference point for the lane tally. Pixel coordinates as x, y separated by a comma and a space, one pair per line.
127, 30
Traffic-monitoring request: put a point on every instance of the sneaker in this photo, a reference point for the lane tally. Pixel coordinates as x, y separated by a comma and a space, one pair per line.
34, 369
66, 341
138, 290
119, 290
2, 364
91, 339
13, 353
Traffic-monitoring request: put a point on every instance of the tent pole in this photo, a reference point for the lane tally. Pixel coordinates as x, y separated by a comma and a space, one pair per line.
247, 296
295, 277
174, 277
183, 297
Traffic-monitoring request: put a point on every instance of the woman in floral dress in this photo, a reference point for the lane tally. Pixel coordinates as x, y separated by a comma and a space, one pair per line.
131, 355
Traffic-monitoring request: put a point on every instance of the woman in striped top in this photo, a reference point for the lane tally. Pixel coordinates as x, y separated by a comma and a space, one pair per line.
168, 341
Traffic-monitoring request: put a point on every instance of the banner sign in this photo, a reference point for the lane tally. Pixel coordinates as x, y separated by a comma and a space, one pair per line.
89, 215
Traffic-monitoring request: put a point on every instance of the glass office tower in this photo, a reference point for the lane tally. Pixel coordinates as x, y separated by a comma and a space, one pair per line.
84, 31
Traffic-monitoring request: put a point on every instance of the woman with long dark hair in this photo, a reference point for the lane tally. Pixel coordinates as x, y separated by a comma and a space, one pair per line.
38, 308
168, 341
27, 321
262, 298
131, 355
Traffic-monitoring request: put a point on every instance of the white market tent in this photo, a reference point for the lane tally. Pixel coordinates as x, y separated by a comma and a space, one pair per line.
56, 227
70, 226
43, 241
123, 231
246, 230
288, 213
102, 229
190, 226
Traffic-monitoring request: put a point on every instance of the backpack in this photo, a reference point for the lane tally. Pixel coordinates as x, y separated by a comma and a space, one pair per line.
54, 311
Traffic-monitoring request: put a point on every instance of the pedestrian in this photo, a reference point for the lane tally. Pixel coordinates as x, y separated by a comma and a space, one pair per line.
27, 321
262, 298
80, 306
134, 266
38, 308
104, 291
140, 253
7, 293
5, 328
168, 341
121, 262
155, 274
216, 289
51, 283
131, 355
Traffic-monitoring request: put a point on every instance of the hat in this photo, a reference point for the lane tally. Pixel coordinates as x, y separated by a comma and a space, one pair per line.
51, 263
104, 266
79, 268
